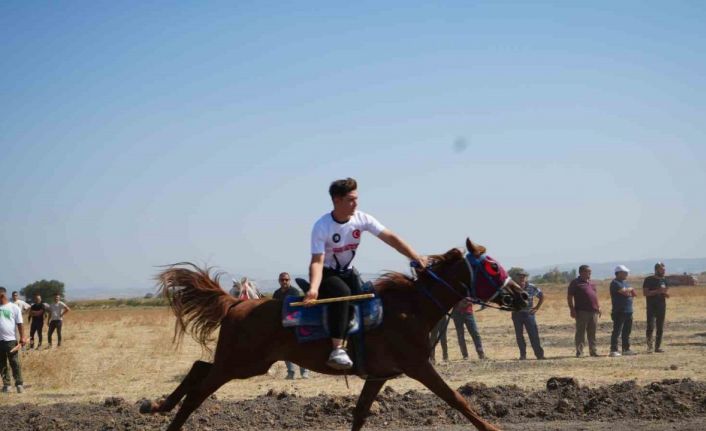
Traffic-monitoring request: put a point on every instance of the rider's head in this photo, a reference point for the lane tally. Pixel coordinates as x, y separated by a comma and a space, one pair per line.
344, 194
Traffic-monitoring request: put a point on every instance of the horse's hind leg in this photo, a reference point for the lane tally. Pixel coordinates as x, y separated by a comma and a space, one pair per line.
427, 375
370, 389
196, 395
198, 371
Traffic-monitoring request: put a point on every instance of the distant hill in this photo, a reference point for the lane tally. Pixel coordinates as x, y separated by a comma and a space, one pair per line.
637, 267
600, 271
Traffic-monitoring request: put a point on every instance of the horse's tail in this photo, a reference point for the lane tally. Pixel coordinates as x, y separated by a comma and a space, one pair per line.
197, 300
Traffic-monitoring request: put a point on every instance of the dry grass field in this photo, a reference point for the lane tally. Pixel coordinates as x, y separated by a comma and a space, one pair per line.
127, 352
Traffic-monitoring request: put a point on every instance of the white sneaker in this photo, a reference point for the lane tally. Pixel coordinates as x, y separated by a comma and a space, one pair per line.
615, 354
339, 360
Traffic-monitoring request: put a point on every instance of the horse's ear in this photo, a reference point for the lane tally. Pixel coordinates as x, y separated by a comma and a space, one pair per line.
475, 249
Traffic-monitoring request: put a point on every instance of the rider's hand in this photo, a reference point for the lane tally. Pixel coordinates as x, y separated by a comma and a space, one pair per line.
573, 313
23, 341
310, 296
533, 310
423, 262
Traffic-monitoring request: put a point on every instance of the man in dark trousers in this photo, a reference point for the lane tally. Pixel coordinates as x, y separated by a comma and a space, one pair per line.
621, 295
656, 292
526, 318
10, 320
582, 298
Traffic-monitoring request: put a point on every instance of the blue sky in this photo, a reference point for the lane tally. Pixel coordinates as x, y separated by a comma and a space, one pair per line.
134, 135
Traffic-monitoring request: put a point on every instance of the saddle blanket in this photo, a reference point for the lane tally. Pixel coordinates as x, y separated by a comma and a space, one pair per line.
310, 323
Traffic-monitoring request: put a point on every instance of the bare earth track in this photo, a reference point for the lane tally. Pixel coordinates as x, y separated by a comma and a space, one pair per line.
669, 404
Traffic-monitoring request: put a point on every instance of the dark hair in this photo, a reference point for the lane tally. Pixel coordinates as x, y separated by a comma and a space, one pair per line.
582, 268
659, 265
340, 188
14, 291
3, 290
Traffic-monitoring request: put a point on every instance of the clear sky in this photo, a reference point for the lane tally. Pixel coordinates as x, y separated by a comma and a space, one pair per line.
136, 134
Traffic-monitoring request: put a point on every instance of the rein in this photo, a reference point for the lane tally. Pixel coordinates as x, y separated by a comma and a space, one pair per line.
471, 291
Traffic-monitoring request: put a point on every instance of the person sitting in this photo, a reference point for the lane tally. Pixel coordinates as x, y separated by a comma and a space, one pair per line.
335, 238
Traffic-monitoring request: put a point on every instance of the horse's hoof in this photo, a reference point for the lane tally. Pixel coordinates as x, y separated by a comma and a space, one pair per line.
148, 406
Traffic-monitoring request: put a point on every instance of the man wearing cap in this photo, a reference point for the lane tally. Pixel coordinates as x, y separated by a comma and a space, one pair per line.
582, 298
656, 293
526, 318
621, 295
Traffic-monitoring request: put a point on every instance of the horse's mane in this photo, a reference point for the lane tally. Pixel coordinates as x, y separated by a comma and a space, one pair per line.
397, 281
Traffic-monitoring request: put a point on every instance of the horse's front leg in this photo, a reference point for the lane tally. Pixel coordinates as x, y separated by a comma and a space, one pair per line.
427, 375
370, 389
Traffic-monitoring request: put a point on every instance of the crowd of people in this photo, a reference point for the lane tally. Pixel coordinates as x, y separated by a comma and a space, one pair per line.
584, 308
12, 331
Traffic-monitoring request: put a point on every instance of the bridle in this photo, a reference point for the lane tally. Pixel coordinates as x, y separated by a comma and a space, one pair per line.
476, 268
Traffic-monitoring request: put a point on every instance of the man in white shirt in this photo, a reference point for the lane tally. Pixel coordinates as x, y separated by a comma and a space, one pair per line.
18, 302
57, 311
334, 241
10, 319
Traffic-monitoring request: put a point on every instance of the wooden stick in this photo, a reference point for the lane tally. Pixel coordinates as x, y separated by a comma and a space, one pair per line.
338, 299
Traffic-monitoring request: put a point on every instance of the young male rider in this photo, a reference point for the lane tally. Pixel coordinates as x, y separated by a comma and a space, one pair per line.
334, 242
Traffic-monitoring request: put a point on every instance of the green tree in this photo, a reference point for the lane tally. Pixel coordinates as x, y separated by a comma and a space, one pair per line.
46, 288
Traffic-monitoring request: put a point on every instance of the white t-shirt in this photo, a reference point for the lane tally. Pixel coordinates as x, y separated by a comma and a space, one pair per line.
20, 303
10, 317
55, 309
339, 241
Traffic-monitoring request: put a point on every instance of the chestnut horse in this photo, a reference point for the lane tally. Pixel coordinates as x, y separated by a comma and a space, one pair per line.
252, 338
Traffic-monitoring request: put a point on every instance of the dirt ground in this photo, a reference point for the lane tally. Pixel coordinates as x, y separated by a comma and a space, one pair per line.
126, 353
563, 404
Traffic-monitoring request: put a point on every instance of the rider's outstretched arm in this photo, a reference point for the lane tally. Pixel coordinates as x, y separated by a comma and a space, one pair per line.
390, 238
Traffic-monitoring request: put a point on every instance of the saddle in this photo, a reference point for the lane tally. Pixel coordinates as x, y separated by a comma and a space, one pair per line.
310, 323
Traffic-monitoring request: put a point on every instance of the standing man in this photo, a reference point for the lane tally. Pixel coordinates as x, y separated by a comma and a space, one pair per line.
621, 295
334, 242
656, 292
582, 298
287, 289
23, 306
462, 314
37, 313
10, 320
58, 309
18, 302
438, 333
525, 319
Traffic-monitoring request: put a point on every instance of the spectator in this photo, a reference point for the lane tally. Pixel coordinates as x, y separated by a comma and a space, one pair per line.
23, 306
37, 314
656, 292
58, 309
10, 319
621, 295
287, 289
462, 314
525, 319
18, 302
584, 308
438, 334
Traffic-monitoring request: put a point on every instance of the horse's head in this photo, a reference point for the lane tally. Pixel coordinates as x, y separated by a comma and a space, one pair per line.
489, 282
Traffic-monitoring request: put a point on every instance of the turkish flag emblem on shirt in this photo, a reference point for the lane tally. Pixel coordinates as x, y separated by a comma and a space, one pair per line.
356, 234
